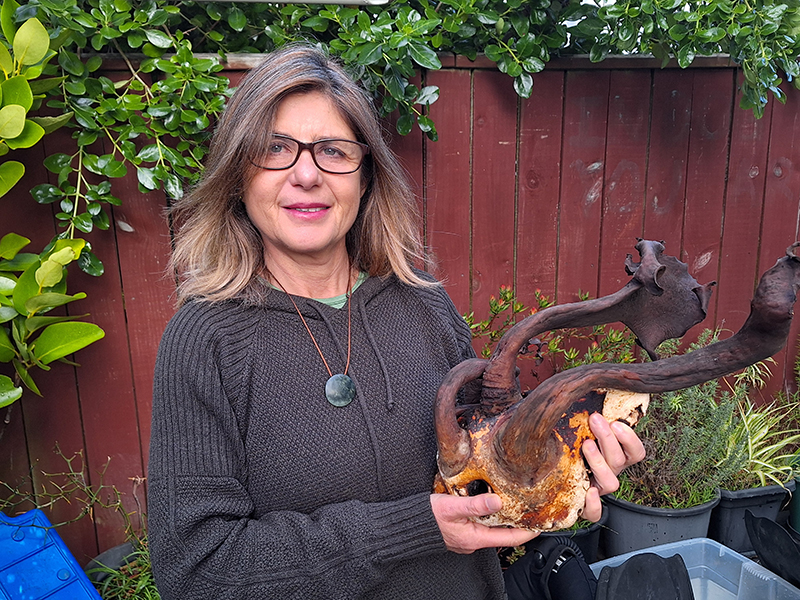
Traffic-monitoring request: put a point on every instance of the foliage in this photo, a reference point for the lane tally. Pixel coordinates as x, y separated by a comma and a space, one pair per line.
770, 443
561, 348
133, 580
686, 435
71, 486
32, 285
706, 437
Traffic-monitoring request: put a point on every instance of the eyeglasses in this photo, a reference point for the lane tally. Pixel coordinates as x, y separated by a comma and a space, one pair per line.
339, 157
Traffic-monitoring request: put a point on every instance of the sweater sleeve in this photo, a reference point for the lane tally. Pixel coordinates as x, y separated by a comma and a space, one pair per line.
205, 540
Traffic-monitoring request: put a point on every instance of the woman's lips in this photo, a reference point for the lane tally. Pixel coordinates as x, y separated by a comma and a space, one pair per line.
307, 210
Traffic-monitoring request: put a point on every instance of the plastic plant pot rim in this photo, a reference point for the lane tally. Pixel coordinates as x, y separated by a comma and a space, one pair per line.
665, 512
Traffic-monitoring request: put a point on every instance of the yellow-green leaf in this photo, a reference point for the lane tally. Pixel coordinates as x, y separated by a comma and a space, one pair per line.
11, 243
31, 42
6, 62
61, 339
63, 257
7, 19
73, 246
49, 274
32, 132
12, 120
10, 173
17, 90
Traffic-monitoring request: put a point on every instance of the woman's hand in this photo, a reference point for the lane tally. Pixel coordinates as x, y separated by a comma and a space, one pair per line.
464, 536
616, 448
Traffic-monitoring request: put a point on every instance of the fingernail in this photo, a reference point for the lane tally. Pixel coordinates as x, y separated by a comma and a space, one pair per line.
493, 503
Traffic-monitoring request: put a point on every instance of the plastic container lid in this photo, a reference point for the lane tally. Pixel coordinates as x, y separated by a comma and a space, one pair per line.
35, 564
717, 572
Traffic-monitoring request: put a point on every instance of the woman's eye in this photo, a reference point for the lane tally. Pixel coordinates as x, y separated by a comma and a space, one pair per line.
277, 148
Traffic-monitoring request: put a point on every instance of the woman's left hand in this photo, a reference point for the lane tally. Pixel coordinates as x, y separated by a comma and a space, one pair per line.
617, 447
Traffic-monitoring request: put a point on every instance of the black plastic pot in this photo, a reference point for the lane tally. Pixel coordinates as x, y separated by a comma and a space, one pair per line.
727, 519
587, 538
634, 526
113, 558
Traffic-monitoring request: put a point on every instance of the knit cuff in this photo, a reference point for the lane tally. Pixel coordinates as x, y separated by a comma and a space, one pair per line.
405, 528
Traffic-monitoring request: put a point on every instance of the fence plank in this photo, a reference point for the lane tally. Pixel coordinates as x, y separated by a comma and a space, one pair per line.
582, 172
539, 168
448, 186
626, 169
493, 191
781, 217
143, 243
707, 166
669, 143
743, 210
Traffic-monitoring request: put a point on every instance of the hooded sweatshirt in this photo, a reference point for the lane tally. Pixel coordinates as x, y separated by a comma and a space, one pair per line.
258, 488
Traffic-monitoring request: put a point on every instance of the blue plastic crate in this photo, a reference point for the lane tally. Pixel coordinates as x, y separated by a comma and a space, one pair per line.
35, 564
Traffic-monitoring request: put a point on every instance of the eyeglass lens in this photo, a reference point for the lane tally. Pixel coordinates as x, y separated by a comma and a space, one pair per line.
333, 156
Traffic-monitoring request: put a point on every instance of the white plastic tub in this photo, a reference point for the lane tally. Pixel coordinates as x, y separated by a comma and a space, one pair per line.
717, 572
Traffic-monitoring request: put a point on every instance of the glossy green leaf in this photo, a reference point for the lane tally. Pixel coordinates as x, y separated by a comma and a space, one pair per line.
159, 39
33, 324
70, 62
67, 250
237, 19
46, 193
61, 339
7, 313
31, 42
12, 120
7, 349
9, 393
523, 85
424, 55
25, 376
90, 264
11, 172
11, 244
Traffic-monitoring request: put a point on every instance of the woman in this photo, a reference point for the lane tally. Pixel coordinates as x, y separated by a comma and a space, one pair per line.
293, 451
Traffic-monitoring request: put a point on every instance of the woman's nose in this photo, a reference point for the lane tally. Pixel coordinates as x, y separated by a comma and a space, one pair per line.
305, 169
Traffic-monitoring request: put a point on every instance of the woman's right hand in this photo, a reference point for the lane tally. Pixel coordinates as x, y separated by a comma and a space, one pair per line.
463, 536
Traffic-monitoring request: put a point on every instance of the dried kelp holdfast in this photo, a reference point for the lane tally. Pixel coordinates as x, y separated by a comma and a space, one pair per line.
527, 449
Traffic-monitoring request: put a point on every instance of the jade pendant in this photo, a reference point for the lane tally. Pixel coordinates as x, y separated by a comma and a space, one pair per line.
340, 390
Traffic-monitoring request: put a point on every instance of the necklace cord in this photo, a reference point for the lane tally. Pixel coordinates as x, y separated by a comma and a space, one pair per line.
308, 329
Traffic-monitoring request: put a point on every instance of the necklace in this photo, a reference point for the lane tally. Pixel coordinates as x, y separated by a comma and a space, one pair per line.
339, 389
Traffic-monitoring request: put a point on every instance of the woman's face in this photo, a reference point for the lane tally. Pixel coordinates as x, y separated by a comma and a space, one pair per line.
302, 212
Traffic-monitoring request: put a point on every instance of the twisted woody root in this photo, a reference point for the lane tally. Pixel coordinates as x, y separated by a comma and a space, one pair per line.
527, 449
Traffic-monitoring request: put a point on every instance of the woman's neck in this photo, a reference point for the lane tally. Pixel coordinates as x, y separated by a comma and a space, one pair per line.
311, 279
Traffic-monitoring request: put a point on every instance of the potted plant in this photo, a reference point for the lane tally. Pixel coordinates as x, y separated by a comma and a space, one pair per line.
769, 439
669, 496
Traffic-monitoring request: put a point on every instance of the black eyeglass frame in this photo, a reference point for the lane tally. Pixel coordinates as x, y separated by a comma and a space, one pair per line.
310, 147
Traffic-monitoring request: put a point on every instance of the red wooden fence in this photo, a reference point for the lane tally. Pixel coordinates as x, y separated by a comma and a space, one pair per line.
547, 193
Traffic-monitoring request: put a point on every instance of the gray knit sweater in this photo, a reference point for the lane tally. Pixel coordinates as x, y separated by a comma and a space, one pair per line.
260, 489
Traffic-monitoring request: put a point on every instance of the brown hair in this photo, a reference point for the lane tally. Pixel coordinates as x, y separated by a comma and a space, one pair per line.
218, 251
